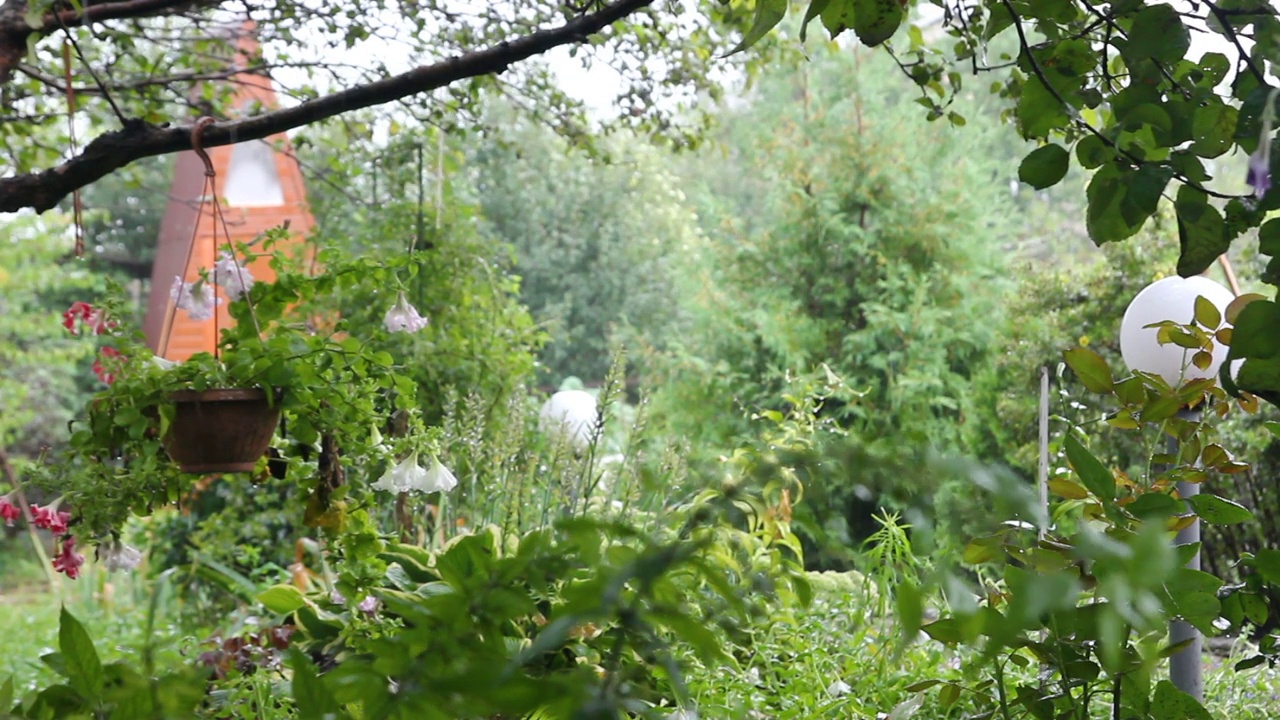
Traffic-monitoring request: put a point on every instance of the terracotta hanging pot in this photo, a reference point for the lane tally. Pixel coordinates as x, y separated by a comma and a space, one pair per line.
221, 430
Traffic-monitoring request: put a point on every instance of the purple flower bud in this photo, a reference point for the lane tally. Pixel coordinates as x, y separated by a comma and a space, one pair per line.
1259, 177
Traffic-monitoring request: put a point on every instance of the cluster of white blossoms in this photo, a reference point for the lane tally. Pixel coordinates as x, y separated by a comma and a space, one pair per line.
199, 298
409, 476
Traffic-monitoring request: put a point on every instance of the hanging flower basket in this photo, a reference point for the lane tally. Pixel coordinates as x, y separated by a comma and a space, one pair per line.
221, 430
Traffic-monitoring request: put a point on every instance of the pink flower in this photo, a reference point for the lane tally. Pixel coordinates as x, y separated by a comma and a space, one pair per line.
49, 518
369, 605
8, 511
69, 561
106, 371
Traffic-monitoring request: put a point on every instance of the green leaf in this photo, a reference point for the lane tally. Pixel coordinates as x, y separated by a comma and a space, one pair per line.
768, 14
1219, 511
1105, 216
1154, 505
1038, 110
1143, 190
837, 16
1213, 128
84, 669
1092, 472
1170, 703
309, 692
947, 631
1201, 232
1045, 166
1260, 377
921, 686
1092, 152
1161, 408
1255, 608
1257, 331
1090, 368
1250, 663
1267, 563
1214, 68
1157, 33
1269, 238
1273, 427
978, 552
815, 9
875, 21
282, 599
910, 608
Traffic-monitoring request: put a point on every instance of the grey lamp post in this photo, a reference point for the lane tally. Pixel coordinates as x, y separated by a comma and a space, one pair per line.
1174, 299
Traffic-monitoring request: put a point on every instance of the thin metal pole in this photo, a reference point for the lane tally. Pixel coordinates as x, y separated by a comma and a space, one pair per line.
1186, 667
1044, 448
422, 200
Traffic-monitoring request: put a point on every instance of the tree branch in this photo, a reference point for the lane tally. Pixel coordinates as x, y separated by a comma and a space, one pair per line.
98, 12
113, 150
16, 30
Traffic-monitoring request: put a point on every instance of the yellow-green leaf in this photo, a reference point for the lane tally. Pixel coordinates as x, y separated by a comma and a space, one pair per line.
768, 14
1207, 314
1067, 489
1233, 310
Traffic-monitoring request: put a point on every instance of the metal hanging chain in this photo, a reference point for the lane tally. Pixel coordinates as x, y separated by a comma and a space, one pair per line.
209, 192
77, 209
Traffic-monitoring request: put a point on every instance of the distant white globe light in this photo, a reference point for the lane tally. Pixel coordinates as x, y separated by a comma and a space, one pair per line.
572, 414
1173, 298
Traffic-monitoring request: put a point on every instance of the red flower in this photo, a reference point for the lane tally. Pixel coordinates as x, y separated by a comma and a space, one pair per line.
86, 315
8, 511
81, 311
49, 518
69, 561
103, 370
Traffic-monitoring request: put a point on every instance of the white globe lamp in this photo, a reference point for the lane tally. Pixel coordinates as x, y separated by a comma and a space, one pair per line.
572, 414
1173, 298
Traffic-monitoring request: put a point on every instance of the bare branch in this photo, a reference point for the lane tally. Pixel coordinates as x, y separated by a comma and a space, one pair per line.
113, 150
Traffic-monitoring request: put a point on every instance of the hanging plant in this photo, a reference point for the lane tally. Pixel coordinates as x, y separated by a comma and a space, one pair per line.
315, 388
157, 426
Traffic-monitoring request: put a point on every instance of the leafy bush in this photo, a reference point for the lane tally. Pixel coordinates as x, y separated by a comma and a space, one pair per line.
837, 241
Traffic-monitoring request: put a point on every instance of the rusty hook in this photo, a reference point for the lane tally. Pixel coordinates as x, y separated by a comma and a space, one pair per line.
196, 131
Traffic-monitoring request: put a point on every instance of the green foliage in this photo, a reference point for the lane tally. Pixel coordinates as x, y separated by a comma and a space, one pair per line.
44, 373
597, 241
333, 388
1089, 596
480, 338
833, 239
1117, 88
1056, 305
590, 616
